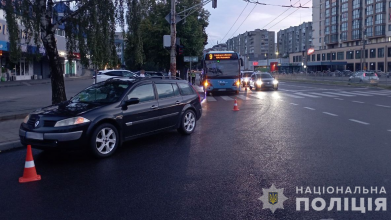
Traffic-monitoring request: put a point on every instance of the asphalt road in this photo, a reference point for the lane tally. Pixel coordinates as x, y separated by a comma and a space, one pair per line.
302, 135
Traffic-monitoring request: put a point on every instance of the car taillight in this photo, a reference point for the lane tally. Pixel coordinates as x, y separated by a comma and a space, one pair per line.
206, 84
237, 83
364, 75
376, 74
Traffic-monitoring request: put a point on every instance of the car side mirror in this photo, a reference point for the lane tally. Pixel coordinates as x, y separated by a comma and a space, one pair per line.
128, 102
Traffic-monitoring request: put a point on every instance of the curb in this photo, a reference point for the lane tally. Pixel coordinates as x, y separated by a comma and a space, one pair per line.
13, 117
10, 146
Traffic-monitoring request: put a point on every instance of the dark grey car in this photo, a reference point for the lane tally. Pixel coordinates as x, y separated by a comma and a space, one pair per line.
263, 80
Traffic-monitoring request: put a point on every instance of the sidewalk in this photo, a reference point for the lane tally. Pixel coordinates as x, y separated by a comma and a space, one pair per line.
9, 124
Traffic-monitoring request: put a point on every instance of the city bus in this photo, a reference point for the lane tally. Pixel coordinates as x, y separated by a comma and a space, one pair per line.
221, 72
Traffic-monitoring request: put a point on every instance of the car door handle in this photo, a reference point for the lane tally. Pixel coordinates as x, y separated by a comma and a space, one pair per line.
178, 102
154, 106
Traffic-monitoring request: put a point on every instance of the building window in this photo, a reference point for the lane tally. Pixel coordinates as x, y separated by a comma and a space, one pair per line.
366, 53
327, 3
318, 57
389, 52
369, 2
369, 32
328, 56
356, 14
380, 7
369, 21
333, 29
379, 30
340, 56
327, 30
344, 7
323, 56
369, 10
380, 52
313, 57
326, 22
334, 20
333, 11
372, 53
358, 54
320, 40
344, 36
356, 24
356, 34
356, 3
327, 13
380, 66
379, 19
349, 55
344, 26
389, 27
344, 17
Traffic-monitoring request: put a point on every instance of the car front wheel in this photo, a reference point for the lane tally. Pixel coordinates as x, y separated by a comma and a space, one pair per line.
188, 122
104, 140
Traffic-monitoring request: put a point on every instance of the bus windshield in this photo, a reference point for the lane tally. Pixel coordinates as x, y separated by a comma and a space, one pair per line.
222, 69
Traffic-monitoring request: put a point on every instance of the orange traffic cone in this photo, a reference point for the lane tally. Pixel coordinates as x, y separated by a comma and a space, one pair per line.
29, 173
236, 106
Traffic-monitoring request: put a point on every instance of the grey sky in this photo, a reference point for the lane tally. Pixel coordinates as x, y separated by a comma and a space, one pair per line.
224, 16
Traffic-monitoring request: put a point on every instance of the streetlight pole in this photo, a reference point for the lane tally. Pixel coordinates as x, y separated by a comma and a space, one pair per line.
173, 39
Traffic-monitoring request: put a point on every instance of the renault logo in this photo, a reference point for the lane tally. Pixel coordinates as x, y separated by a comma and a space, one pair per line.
36, 123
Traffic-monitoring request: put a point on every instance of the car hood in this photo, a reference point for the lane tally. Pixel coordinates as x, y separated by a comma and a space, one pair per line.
68, 109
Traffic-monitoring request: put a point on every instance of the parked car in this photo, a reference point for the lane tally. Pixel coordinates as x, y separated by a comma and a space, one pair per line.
104, 115
347, 73
364, 77
107, 74
263, 80
152, 73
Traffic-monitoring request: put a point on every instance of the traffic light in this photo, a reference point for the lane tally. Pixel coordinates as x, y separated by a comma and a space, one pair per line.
179, 49
214, 3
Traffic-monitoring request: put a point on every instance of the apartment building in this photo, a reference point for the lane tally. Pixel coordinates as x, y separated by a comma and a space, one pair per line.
355, 34
294, 39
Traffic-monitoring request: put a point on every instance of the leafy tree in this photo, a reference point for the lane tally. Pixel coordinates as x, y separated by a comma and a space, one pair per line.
89, 29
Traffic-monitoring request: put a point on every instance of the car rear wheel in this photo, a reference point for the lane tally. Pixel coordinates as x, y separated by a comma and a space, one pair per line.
104, 140
188, 122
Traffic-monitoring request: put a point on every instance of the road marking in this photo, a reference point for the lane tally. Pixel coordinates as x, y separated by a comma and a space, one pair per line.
361, 122
385, 106
309, 108
243, 97
328, 113
389, 130
257, 96
321, 94
358, 102
338, 99
356, 93
293, 104
210, 99
227, 98
293, 96
302, 94
339, 94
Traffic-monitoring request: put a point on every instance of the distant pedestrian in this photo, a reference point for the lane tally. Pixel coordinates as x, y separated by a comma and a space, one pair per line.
193, 77
169, 74
142, 73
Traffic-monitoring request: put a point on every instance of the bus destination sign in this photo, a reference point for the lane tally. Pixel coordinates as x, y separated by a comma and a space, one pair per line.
221, 56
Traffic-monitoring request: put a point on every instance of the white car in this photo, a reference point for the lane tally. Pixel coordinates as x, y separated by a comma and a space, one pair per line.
104, 75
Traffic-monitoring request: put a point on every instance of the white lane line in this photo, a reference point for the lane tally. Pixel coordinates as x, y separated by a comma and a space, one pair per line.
361, 122
302, 94
339, 94
227, 98
210, 99
385, 106
356, 93
358, 102
389, 130
338, 99
243, 97
293, 104
309, 108
328, 113
321, 94
293, 96
257, 96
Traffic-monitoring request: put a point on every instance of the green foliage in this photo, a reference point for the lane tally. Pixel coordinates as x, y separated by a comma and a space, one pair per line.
147, 26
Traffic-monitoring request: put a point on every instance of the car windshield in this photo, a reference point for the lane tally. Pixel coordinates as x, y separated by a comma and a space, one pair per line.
105, 92
247, 74
222, 69
264, 76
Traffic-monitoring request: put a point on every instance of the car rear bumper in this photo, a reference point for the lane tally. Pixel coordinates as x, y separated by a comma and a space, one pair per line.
212, 89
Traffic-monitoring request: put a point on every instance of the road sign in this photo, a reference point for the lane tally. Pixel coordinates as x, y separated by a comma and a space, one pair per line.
190, 59
177, 18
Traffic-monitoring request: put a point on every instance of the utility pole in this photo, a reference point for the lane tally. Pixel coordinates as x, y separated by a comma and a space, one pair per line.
173, 39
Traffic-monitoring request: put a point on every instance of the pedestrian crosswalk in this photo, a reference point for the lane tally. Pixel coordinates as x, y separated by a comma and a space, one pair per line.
250, 95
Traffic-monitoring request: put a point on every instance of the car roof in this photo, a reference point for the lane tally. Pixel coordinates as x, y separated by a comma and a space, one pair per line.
105, 71
153, 79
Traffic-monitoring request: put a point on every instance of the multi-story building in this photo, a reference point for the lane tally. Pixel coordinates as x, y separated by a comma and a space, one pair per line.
254, 45
341, 31
294, 39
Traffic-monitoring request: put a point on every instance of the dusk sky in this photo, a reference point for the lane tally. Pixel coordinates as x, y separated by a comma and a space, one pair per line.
262, 17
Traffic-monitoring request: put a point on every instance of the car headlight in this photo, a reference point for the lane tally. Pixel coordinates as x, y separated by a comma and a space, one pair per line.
26, 119
275, 82
246, 80
259, 82
71, 121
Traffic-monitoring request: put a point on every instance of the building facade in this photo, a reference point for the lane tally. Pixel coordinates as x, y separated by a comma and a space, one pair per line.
294, 39
254, 45
349, 34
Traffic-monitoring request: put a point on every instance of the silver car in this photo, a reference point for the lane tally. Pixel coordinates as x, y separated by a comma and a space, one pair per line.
364, 77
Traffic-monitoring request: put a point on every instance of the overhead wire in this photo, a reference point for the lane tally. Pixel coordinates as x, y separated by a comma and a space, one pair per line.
288, 15
235, 22
244, 20
279, 16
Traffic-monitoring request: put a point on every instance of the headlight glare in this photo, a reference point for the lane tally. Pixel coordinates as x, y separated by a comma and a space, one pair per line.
259, 82
26, 119
275, 82
71, 121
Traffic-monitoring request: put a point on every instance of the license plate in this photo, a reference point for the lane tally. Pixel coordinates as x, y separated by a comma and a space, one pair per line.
222, 89
222, 84
33, 135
